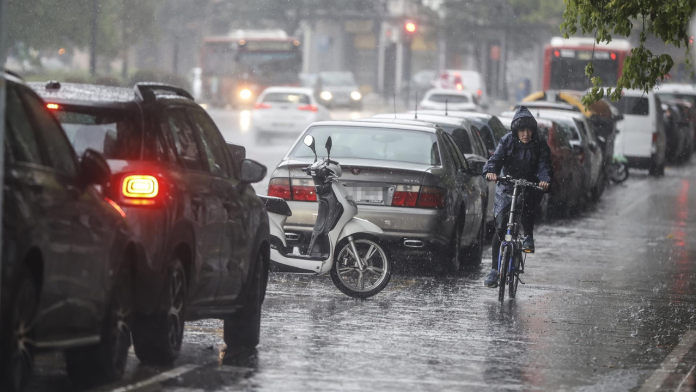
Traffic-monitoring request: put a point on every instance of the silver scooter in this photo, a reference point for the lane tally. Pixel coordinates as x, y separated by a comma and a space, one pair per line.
341, 244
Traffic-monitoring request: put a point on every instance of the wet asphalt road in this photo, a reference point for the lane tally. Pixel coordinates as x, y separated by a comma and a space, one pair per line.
607, 301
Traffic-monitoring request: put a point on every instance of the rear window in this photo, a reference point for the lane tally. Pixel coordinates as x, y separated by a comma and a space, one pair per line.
460, 137
287, 98
569, 129
116, 133
441, 98
498, 128
373, 143
633, 106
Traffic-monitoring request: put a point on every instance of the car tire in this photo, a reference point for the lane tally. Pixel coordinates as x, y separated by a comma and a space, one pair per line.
474, 253
453, 259
105, 362
157, 337
16, 338
242, 329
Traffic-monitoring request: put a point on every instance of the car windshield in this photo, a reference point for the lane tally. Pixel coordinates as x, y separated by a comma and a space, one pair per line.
287, 98
338, 79
449, 98
379, 144
633, 106
116, 133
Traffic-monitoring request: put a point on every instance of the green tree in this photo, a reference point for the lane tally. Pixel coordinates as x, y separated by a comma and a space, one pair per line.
665, 19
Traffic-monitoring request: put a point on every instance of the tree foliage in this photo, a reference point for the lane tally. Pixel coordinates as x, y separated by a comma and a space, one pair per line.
665, 19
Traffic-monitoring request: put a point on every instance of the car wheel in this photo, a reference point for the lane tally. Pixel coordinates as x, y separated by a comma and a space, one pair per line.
242, 329
474, 254
105, 362
17, 345
453, 259
157, 337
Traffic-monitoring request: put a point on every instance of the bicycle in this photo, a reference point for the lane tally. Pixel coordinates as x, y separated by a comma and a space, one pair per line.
510, 261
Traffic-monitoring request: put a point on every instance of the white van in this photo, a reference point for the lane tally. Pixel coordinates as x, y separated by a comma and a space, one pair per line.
641, 134
462, 80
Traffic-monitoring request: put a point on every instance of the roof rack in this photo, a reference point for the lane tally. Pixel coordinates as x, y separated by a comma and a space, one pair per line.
13, 73
146, 91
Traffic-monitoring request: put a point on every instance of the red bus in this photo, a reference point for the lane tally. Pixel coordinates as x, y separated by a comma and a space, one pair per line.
565, 61
238, 67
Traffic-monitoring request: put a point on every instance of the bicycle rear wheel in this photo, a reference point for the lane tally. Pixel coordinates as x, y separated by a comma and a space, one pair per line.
504, 266
514, 279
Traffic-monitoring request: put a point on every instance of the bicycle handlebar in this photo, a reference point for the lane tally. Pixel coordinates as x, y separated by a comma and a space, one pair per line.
521, 182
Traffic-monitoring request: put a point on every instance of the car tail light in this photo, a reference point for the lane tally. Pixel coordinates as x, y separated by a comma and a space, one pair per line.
308, 108
406, 196
280, 187
431, 197
459, 86
303, 190
259, 106
53, 106
140, 189
654, 139
479, 92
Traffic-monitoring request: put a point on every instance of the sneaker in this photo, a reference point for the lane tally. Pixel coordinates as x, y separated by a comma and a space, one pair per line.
492, 279
528, 244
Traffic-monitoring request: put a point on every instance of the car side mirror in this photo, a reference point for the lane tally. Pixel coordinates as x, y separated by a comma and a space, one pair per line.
476, 168
94, 168
252, 171
237, 152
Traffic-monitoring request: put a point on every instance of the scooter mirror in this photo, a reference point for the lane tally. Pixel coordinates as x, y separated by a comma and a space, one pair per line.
328, 147
309, 141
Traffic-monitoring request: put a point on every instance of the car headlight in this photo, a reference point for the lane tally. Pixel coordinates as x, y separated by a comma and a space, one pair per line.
245, 94
356, 95
326, 96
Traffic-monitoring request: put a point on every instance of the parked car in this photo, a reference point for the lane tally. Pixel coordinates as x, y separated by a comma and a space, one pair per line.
489, 125
68, 253
338, 89
467, 137
642, 138
463, 80
188, 199
439, 99
586, 147
565, 195
285, 112
408, 178
680, 136
682, 92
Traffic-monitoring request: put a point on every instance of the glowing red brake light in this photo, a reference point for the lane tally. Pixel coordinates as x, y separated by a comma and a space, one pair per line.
53, 106
303, 190
557, 53
280, 187
406, 196
258, 106
140, 189
431, 197
613, 56
308, 108
479, 92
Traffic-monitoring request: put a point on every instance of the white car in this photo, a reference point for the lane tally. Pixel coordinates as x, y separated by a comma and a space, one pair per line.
462, 80
454, 100
285, 111
641, 136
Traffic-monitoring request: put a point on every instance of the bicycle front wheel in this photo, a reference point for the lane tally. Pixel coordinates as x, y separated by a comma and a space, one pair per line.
504, 266
514, 279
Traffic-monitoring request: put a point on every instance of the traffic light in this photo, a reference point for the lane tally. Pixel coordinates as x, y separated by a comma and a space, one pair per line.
409, 31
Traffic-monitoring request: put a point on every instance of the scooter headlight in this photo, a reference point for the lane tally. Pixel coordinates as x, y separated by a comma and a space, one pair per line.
508, 237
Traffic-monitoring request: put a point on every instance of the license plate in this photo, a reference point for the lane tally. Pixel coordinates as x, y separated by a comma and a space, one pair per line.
367, 195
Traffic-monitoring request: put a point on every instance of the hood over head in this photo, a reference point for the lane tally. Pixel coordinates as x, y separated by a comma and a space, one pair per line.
523, 119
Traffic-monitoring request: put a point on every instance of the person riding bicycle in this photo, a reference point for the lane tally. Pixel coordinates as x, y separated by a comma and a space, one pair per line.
520, 154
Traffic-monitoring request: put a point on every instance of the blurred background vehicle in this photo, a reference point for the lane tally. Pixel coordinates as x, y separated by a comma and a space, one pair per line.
187, 197
446, 100
237, 67
285, 111
680, 136
489, 126
338, 89
68, 253
408, 177
464, 80
422, 81
642, 138
686, 94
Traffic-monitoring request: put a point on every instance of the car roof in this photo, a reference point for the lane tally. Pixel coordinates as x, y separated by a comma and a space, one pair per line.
282, 89
447, 92
84, 92
548, 105
676, 88
457, 114
382, 123
557, 114
428, 118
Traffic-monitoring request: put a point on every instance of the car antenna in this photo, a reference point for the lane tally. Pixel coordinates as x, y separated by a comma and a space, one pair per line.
446, 113
416, 115
394, 104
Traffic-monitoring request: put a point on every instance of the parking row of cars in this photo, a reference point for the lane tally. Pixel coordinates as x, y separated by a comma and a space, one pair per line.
125, 215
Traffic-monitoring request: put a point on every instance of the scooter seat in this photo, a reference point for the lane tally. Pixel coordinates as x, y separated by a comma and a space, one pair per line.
276, 205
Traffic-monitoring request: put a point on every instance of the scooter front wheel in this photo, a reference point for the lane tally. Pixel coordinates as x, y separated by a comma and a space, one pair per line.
362, 275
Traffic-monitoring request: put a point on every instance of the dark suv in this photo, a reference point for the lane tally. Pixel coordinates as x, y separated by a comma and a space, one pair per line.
68, 254
188, 199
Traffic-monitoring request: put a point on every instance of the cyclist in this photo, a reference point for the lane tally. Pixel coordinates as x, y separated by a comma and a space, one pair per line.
520, 154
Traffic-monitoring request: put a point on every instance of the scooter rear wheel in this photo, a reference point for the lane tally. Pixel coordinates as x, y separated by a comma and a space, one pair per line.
358, 282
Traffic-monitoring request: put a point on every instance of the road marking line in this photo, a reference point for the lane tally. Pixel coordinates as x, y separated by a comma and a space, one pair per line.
670, 363
176, 372
679, 388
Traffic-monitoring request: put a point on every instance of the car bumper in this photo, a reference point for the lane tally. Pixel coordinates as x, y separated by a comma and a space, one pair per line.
639, 162
406, 230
